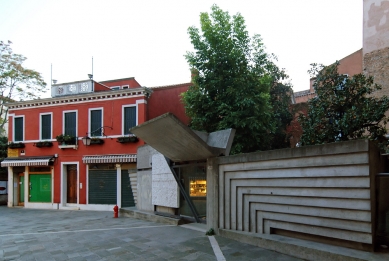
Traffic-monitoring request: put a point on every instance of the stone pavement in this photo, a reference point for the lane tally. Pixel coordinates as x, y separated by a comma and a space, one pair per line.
32, 234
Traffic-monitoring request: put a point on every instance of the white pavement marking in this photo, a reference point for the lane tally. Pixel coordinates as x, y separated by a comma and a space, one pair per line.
216, 249
84, 230
113, 248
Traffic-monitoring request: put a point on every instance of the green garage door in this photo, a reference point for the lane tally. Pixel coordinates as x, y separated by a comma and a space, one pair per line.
102, 187
40, 188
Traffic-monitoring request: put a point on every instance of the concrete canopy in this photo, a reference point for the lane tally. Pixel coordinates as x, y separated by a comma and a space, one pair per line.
169, 136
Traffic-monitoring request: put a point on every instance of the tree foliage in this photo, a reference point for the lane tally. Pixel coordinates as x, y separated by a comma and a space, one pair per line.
344, 108
233, 76
16, 81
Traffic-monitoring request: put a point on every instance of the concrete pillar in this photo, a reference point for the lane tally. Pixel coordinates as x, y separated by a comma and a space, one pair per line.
26, 186
11, 187
212, 194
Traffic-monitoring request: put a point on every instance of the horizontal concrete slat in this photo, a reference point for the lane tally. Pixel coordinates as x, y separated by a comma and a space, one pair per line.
327, 232
331, 171
350, 225
345, 214
351, 182
316, 161
354, 193
357, 204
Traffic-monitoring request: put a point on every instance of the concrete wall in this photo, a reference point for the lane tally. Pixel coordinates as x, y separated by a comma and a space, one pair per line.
324, 192
156, 184
165, 191
375, 25
376, 42
144, 178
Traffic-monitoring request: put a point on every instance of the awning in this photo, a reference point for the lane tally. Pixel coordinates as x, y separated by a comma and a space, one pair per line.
125, 158
27, 161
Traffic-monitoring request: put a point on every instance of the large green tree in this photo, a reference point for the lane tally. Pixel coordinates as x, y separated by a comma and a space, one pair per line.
344, 108
16, 82
233, 76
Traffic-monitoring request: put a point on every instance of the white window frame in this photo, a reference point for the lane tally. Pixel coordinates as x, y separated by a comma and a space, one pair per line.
136, 121
63, 121
89, 119
115, 88
126, 87
40, 124
24, 128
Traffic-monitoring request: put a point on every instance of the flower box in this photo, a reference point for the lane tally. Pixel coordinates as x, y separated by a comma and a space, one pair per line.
66, 140
127, 139
96, 141
42, 144
16, 145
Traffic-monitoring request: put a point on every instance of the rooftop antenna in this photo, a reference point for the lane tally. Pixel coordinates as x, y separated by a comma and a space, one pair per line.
90, 75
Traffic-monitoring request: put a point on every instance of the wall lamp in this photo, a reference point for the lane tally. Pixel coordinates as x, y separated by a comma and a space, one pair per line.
86, 139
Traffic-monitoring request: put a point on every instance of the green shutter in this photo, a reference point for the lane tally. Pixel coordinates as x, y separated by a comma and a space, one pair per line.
102, 187
127, 195
129, 119
70, 123
19, 129
46, 127
95, 123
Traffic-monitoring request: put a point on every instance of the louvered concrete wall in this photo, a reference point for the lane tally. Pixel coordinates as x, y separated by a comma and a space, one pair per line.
321, 190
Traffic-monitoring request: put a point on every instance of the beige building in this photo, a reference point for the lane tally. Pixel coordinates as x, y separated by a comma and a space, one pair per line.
376, 42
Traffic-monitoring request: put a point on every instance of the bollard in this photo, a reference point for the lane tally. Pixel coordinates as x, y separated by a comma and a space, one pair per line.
115, 211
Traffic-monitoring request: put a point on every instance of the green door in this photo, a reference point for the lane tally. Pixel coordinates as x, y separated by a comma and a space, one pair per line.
40, 188
21, 190
127, 196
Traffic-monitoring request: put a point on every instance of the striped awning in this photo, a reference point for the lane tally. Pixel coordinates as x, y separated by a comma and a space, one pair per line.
27, 161
123, 158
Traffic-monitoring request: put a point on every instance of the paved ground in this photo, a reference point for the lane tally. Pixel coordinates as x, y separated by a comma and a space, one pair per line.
30, 234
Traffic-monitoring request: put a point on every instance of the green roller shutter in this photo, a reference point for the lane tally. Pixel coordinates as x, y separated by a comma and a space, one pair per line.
127, 195
102, 187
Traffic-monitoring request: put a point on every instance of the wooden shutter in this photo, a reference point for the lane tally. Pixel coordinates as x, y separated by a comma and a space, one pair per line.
19, 129
46, 127
95, 122
70, 123
129, 119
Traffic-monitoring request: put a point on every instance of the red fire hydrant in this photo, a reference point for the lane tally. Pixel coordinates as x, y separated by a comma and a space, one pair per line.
115, 211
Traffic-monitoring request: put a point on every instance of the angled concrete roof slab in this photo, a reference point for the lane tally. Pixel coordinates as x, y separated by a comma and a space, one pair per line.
168, 135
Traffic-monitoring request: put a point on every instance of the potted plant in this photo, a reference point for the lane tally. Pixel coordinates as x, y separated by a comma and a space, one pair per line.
69, 139
41, 144
59, 138
128, 139
96, 141
18, 145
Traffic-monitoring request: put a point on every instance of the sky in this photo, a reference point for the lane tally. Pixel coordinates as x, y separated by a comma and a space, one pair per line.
147, 39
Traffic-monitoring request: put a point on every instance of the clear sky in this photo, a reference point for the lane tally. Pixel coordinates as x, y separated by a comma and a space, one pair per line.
147, 39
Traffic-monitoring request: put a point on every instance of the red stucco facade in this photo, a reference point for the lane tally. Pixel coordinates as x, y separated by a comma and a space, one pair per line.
148, 103
168, 99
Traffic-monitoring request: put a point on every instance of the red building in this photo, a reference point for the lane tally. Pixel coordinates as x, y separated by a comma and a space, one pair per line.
349, 65
50, 167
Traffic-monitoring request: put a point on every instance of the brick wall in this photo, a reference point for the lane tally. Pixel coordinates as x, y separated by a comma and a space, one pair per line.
376, 64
